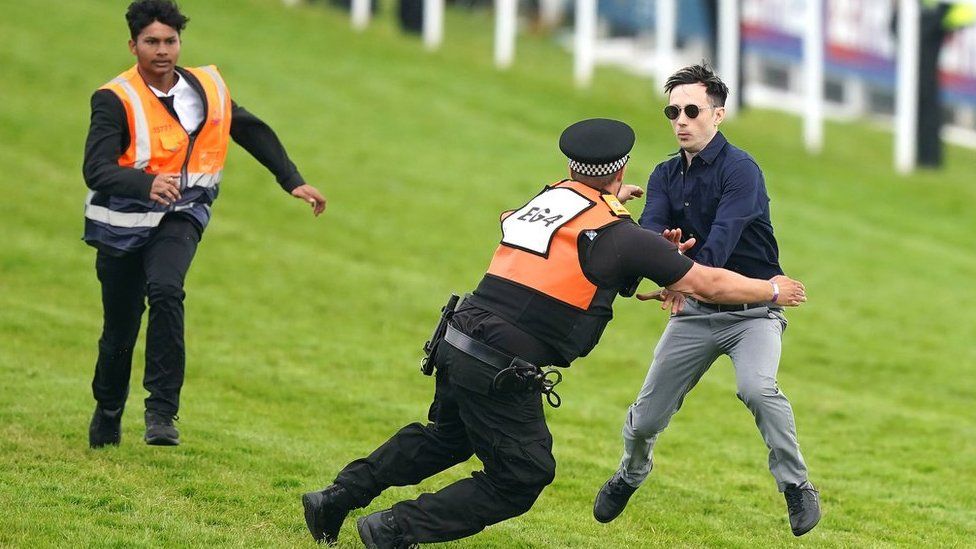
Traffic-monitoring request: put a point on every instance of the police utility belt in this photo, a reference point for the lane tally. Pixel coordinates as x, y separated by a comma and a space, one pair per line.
513, 374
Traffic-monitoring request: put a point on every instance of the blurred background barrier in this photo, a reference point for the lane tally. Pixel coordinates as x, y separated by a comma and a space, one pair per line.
841, 59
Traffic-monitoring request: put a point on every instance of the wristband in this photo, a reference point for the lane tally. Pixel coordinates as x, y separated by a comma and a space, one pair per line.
775, 291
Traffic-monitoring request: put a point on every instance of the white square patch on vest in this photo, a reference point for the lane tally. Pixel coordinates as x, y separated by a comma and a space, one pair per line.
532, 227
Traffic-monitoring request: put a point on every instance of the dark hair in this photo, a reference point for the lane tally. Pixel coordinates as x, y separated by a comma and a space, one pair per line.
143, 13
716, 89
594, 180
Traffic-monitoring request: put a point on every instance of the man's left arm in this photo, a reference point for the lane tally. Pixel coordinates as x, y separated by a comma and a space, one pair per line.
263, 144
738, 206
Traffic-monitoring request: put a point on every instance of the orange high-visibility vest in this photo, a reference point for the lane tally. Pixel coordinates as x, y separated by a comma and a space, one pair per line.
157, 141
539, 247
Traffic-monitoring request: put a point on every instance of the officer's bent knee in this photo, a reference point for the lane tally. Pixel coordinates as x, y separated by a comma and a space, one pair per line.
525, 501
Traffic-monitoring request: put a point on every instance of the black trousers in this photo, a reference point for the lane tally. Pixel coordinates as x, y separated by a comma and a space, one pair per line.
156, 271
507, 432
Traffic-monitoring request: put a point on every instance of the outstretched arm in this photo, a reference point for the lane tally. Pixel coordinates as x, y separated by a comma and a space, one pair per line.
263, 144
723, 286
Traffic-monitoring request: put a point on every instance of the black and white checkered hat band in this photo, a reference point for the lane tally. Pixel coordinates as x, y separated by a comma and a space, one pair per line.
598, 169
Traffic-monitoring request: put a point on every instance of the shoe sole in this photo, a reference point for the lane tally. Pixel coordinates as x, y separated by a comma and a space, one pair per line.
364, 534
605, 520
799, 533
162, 441
96, 446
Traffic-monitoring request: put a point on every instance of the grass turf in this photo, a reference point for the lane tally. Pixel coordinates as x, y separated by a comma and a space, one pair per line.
303, 335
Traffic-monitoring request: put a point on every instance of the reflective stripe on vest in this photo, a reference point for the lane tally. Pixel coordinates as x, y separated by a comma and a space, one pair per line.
221, 87
158, 143
139, 139
539, 247
131, 220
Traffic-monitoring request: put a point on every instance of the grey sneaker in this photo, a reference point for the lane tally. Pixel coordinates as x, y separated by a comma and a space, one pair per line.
612, 498
803, 504
160, 430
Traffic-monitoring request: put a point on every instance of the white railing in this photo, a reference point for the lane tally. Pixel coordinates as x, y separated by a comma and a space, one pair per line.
666, 59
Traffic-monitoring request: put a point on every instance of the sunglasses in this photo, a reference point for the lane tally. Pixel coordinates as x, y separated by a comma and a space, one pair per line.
692, 111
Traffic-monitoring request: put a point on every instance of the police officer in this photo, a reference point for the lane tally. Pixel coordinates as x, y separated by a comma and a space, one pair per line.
545, 300
153, 162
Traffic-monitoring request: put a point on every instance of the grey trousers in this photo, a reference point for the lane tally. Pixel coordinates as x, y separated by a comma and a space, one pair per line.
692, 341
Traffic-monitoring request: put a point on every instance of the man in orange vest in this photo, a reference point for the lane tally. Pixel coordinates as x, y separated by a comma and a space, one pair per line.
545, 300
153, 162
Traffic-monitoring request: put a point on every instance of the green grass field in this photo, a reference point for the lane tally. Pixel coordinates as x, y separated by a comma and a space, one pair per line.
304, 334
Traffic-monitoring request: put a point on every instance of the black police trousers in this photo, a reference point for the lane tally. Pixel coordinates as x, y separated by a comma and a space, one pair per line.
157, 271
507, 432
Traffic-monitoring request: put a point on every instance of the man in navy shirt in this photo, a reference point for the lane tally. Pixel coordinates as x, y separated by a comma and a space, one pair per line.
714, 194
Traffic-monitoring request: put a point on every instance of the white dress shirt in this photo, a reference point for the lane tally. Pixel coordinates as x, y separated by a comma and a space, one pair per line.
186, 102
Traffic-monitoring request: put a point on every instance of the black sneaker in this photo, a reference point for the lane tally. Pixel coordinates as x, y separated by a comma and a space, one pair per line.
803, 504
380, 531
612, 498
160, 430
105, 428
325, 511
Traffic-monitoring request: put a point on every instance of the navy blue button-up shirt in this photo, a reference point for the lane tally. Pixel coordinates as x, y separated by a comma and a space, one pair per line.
720, 199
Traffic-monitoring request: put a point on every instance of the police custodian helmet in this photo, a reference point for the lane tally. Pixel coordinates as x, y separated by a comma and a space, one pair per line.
597, 146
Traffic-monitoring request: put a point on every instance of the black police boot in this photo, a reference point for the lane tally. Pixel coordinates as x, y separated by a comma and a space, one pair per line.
160, 430
380, 531
612, 498
803, 504
325, 511
105, 428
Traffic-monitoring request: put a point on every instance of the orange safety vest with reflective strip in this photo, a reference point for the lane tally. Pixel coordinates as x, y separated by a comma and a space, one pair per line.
539, 247
536, 280
158, 143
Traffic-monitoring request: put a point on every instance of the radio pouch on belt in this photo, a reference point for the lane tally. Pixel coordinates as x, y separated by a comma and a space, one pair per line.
502, 373
430, 347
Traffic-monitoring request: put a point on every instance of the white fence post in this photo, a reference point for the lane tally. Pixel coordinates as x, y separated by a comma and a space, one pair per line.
664, 35
813, 69
728, 50
433, 23
360, 14
584, 42
906, 94
505, 14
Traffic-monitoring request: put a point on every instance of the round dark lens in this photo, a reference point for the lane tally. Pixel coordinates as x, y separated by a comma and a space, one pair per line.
672, 112
692, 111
